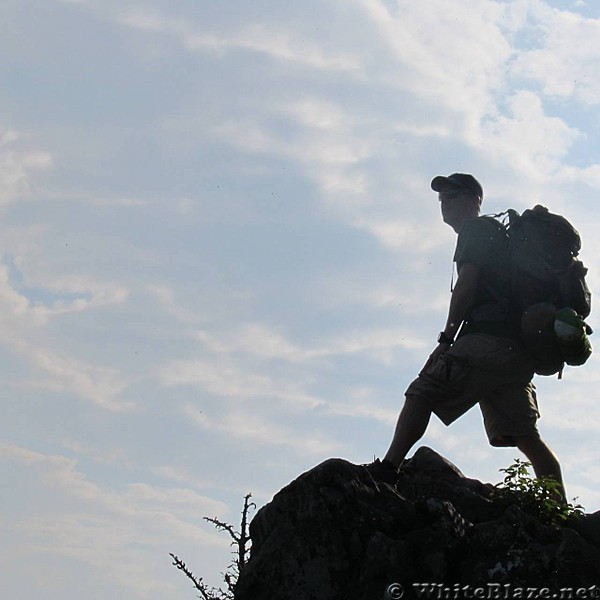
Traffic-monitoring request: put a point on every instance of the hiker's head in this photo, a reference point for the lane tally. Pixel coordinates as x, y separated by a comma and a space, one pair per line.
460, 197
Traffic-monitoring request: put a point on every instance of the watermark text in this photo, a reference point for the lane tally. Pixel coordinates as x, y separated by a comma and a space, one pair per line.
491, 591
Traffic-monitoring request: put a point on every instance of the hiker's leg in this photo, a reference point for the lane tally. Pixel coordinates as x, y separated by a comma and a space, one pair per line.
410, 428
544, 461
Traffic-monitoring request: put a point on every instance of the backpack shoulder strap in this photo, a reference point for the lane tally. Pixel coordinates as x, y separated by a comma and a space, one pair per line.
506, 218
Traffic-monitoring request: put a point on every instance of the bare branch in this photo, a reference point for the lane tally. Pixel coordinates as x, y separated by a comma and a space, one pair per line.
224, 527
197, 581
244, 536
241, 541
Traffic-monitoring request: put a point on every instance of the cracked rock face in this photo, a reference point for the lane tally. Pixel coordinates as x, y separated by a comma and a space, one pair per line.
335, 532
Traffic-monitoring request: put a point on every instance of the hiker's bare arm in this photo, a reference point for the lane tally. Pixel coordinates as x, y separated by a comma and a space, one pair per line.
462, 298
460, 304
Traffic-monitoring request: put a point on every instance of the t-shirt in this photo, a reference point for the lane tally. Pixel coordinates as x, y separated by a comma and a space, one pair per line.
482, 241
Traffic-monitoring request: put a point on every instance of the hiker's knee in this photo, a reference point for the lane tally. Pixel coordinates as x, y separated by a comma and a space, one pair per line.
534, 445
530, 443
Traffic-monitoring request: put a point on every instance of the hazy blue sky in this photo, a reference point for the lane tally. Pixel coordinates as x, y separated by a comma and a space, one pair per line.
222, 262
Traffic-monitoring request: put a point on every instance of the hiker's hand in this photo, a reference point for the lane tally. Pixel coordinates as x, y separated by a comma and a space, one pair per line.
441, 348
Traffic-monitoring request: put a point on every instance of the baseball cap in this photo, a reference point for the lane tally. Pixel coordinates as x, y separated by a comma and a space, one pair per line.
457, 181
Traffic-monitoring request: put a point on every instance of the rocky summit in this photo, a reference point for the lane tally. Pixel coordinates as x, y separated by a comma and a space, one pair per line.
336, 532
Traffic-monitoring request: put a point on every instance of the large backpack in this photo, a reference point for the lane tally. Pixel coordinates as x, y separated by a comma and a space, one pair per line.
543, 249
548, 288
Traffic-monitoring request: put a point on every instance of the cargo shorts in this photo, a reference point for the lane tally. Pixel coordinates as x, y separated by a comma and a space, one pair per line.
483, 369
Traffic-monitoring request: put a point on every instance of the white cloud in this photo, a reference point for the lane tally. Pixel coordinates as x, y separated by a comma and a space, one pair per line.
95, 200
63, 474
326, 139
318, 113
588, 175
111, 456
122, 535
21, 313
335, 142
223, 377
459, 75
468, 80
418, 288
216, 377
259, 341
24, 323
14, 304
403, 234
563, 61
165, 297
278, 43
362, 406
376, 344
101, 385
435, 130
255, 339
531, 141
17, 166
257, 428
182, 476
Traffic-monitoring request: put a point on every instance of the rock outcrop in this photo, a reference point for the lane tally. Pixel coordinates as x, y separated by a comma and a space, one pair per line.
336, 533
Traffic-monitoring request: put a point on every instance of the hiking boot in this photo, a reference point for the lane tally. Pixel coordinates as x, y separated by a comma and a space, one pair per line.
383, 471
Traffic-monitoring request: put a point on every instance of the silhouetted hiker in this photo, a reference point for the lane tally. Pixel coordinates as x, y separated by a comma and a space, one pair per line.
486, 363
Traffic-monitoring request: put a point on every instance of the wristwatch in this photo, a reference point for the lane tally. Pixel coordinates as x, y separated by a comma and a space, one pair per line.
444, 339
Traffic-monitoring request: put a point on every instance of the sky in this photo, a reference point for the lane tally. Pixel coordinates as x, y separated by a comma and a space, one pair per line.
222, 263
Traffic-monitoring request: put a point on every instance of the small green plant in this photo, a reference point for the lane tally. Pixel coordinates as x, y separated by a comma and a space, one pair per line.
241, 544
541, 497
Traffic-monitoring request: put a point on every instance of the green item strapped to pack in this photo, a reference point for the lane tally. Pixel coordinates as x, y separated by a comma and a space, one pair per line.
572, 335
